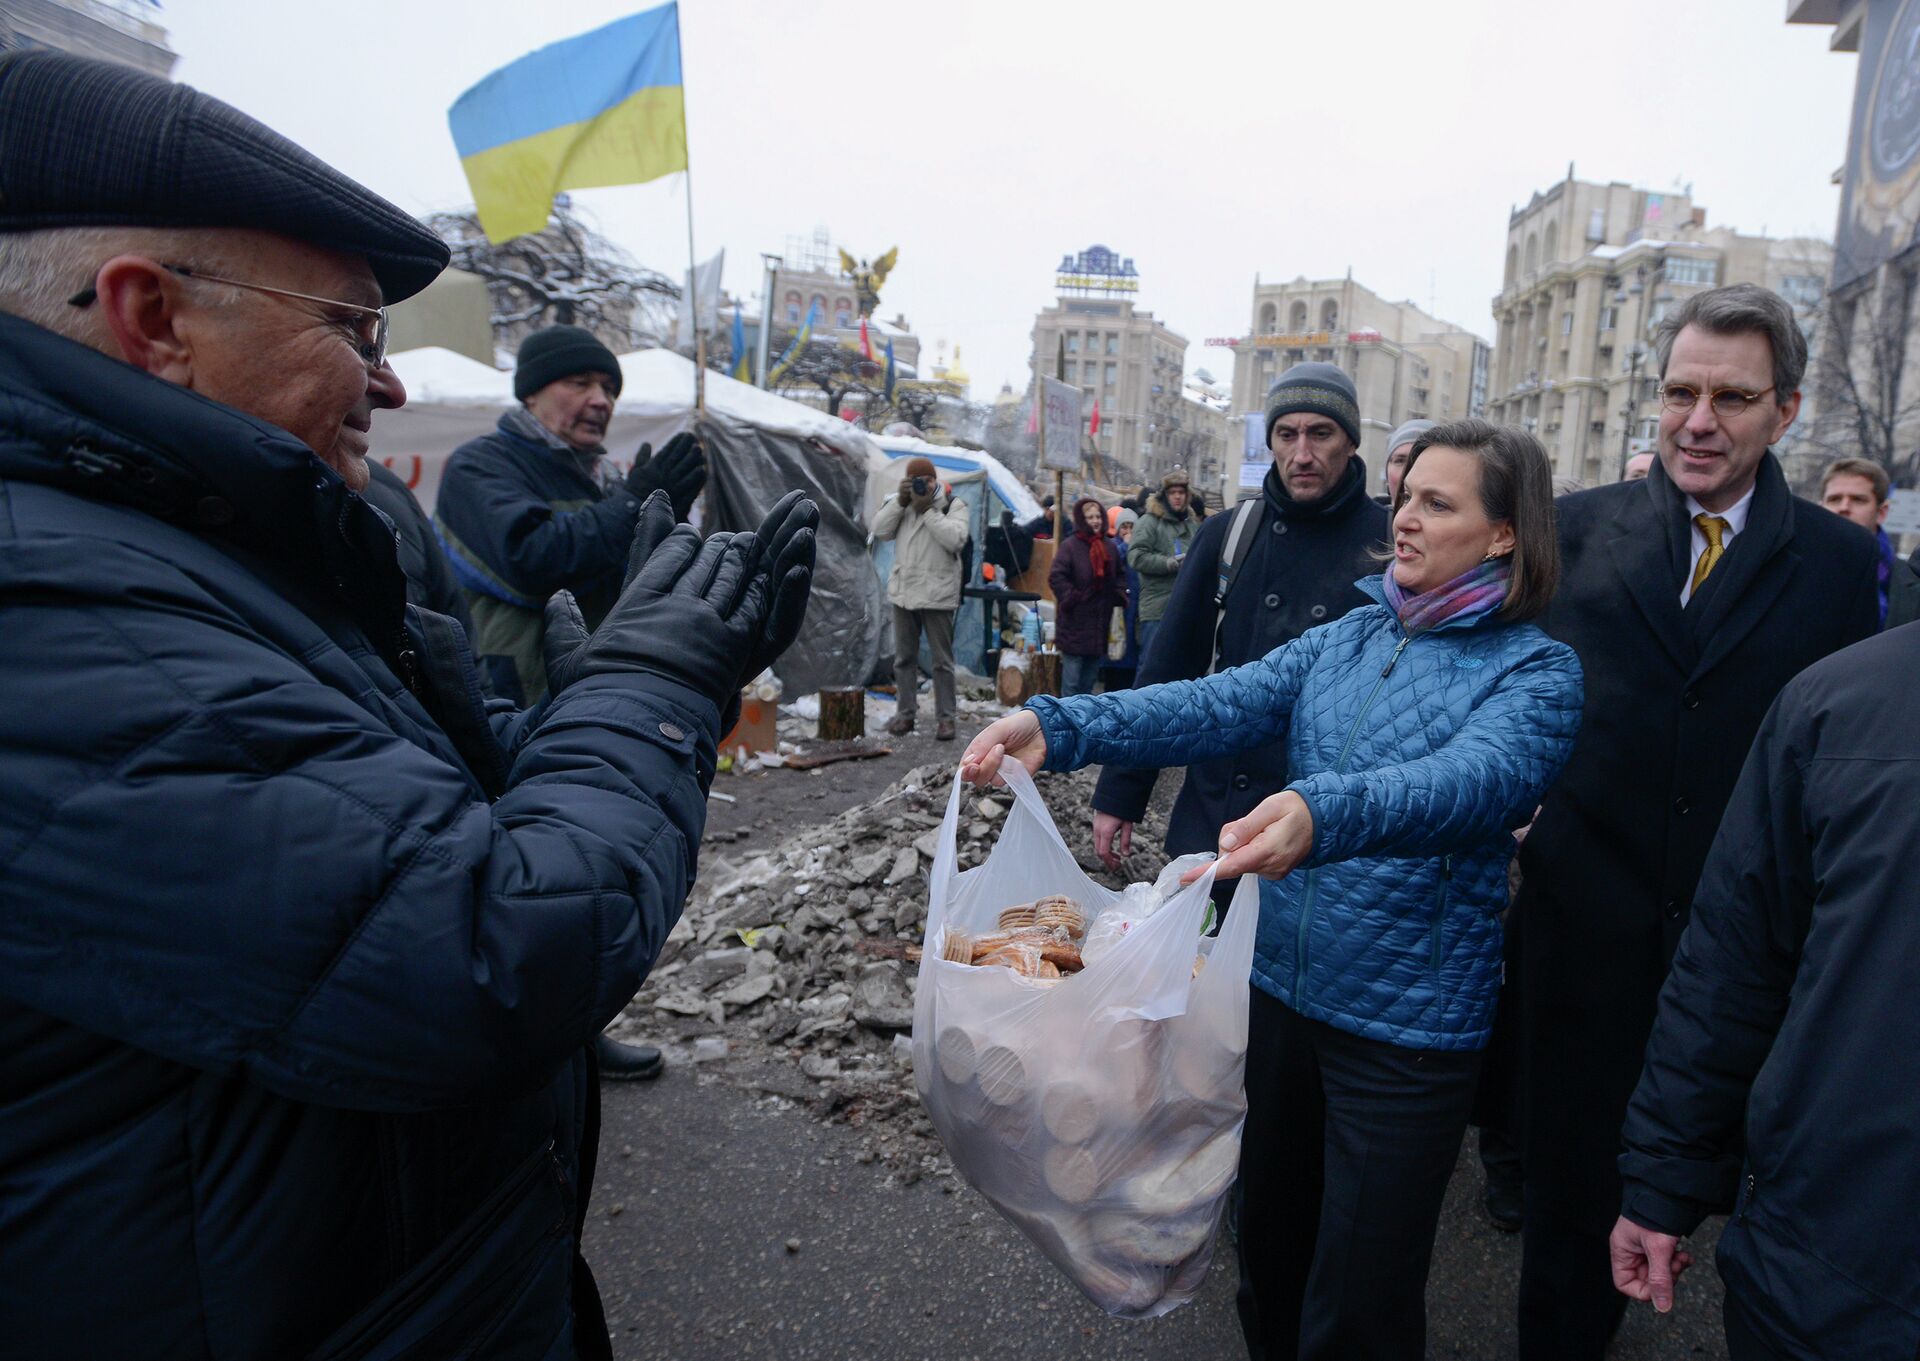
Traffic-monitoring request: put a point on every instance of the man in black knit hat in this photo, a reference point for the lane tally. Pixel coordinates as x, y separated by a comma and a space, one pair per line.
1297, 549
525, 511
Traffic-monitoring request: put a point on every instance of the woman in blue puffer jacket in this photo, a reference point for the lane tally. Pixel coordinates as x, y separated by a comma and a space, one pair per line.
1420, 731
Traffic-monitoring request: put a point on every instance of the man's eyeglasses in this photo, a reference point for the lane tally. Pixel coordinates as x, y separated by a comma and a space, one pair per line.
368, 326
1726, 402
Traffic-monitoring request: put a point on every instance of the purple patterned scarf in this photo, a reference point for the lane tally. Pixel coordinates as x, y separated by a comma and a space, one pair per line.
1472, 595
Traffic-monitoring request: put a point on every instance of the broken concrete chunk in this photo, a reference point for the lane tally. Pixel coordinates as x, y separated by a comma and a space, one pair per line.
882, 998
747, 991
905, 865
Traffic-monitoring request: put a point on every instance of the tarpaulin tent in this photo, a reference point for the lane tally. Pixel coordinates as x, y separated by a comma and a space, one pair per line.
759, 447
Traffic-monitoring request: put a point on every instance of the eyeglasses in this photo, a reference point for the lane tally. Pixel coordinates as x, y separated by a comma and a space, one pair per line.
367, 326
1726, 402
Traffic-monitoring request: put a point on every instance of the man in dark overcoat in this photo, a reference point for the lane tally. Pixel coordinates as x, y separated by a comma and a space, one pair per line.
1692, 597
1303, 544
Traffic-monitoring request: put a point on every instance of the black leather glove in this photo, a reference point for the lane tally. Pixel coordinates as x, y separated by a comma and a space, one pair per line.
694, 612
679, 469
787, 538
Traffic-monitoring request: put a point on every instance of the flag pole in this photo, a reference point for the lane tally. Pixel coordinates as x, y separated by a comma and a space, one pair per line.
693, 260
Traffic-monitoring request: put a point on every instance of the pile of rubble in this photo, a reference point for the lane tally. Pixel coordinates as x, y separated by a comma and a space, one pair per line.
788, 972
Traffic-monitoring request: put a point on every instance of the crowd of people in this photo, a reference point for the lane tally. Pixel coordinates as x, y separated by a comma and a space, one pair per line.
1583, 822
336, 833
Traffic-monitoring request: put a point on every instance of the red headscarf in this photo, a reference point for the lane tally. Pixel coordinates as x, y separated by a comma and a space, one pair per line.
1097, 551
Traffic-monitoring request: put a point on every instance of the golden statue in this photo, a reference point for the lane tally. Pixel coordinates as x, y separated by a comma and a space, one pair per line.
868, 276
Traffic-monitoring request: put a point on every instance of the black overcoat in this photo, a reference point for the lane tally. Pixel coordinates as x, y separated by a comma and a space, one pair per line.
1674, 698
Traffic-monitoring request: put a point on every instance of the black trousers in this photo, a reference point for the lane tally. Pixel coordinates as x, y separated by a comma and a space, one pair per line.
1747, 1339
1348, 1149
1569, 1309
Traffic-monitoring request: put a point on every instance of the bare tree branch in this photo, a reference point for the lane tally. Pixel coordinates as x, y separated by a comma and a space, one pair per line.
566, 274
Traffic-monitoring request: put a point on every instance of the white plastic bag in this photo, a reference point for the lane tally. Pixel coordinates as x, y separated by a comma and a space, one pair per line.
1100, 1113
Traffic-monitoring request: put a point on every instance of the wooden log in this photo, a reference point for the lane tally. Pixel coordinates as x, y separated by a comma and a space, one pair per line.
843, 714
1043, 675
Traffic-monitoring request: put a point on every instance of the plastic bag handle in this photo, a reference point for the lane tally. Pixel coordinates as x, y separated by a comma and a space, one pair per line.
945, 857
1025, 792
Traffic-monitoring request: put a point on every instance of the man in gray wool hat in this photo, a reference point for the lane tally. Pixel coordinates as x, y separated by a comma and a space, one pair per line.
301, 946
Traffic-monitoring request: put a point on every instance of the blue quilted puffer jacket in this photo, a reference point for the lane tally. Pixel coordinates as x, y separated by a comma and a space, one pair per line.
1417, 755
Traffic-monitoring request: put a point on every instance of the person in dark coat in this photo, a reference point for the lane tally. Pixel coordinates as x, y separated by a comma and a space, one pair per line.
301, 943
1088, 583
1858, 489
1009, 547
529, 510
1783, 1075
1692, 596
1313, 536
430, 580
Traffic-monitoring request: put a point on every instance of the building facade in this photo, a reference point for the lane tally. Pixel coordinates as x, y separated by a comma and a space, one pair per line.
1133, 365
1404, 363
1867, 352
1591, 269
126, 31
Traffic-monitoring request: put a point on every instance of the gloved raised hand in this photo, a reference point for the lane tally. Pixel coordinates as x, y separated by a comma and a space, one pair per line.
787, 538
679, 469
693, 612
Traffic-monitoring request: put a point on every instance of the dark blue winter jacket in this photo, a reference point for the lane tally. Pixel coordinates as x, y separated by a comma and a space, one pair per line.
292, 1012
1417, 756
520, 520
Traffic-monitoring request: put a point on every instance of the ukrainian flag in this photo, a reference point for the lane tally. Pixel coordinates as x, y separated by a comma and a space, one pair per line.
601, 109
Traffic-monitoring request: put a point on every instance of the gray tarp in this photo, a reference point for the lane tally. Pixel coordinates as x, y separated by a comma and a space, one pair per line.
759, 446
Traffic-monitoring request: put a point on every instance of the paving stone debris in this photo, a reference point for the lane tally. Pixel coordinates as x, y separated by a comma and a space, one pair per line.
788, 972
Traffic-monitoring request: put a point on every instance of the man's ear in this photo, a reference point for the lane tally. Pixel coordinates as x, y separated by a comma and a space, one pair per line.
140, 303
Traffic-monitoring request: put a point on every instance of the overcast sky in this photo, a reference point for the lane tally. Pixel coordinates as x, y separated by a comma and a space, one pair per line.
1211, 142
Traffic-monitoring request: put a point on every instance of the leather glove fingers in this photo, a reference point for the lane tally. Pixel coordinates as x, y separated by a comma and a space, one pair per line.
564, 634
649, 532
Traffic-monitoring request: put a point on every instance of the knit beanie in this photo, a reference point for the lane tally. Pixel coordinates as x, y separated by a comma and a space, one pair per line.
557, 351
921, 467
1123, 515
1408, 432
1319, 388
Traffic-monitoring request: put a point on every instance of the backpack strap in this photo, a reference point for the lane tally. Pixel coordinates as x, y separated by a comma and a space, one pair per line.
1230, 560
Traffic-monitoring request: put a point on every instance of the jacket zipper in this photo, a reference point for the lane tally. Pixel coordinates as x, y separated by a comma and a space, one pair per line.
1339, 768
1440, 907
1747, 1204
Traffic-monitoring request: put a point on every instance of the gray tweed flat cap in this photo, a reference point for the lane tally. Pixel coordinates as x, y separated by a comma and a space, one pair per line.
89, 143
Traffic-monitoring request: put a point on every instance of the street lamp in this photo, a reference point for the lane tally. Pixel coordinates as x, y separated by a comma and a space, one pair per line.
1630, 413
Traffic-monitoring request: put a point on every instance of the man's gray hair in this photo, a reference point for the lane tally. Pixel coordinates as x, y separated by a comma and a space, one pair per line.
1737, 310
40, 270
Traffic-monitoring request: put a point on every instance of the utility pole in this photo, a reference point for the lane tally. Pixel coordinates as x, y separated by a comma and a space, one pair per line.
772, 263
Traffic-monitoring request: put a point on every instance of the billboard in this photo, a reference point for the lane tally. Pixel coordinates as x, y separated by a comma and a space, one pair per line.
1096, 270
1880, 197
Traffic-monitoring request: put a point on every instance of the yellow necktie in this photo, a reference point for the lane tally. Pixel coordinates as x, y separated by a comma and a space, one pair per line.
1713, 527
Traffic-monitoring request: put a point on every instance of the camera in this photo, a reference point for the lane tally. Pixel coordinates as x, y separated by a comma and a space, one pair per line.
922, 486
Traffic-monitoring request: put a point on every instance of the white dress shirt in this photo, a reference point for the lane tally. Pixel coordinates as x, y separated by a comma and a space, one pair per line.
1736, 517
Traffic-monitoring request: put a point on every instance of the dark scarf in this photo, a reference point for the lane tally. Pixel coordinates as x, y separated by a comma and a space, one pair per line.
1340, 498
1884, 571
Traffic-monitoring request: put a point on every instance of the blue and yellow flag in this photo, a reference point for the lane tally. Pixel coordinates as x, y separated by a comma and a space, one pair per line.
890, 372
600, 109
742, 361
798, 347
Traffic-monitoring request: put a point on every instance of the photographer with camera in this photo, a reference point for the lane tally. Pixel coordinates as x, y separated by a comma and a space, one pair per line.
928, 526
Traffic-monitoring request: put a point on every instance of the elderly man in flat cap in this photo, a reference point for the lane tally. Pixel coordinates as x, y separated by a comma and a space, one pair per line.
301, 947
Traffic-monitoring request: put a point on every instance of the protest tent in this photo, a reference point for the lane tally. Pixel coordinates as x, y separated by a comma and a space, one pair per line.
759, 446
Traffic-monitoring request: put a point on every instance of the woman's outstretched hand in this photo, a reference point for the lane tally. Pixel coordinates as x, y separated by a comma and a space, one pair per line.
1017, 736
1270, 841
